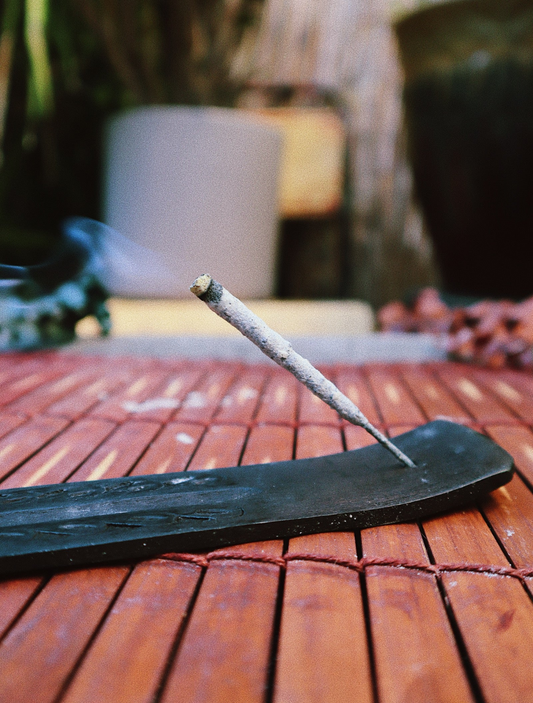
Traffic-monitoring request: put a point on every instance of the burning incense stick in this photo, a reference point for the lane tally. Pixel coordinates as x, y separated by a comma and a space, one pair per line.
280, 350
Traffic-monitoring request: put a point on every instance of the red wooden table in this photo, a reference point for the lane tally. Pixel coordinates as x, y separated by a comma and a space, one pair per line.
436, 611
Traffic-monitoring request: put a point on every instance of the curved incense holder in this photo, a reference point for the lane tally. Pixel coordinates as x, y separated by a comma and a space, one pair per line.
137, 517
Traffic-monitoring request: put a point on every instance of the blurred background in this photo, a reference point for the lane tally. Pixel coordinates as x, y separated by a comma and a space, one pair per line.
375, 198
65, 68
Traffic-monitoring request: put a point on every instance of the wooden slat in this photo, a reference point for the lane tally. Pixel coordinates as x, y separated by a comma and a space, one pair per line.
278, 403
268, 443
116, 456
414, 648
219, 639
496, 620
512, 388
220, 446
171, 450
352, 383
317, 440
60, 458
80, 400
18, 388
9, 422
40, 651
14, 595
518, 441
224, 655
509, 511
200, 404
312, 409
35, 402
242, 398
494, 613
126, 661
141, 388
436, 401
395, 404
323, 654
24, 441
481, 404
510, 508
174, 390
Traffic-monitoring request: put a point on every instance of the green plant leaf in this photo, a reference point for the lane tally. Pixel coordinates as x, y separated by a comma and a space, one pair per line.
40, 100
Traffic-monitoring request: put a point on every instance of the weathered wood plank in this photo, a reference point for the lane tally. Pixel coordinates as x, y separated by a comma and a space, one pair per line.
432, 396
242, 398
225, 652
40, 651
25, 440
278, 403
481, 404
58, 459
414, 647
395, 403
171, 450
201, 404
126, 661
494, 613
119, 452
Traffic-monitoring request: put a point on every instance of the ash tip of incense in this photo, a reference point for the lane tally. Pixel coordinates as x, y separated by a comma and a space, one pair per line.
207, 289
201, 285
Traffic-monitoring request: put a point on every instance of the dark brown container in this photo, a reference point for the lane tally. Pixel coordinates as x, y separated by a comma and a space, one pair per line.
468, 99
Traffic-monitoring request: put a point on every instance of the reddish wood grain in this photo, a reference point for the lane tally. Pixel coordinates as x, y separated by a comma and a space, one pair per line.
128, 657
414, 647
60, 457
279, 399
323, 653
145, 386
242, 398
15, 366
17, 388
268, 443
432, 396
513, 389
494, 613
221, 446
9, 422
174, 390
120, 451
42, 648
225, 652
518, 441
395, 403
14, 594
201, 403
318, 440
352, 383
35, 402
25, 440
74, 404
509, 511
479, 402
510, 508
171, 450
313, 410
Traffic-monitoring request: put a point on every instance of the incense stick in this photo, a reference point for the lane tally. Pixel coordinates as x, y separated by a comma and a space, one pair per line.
280, 350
